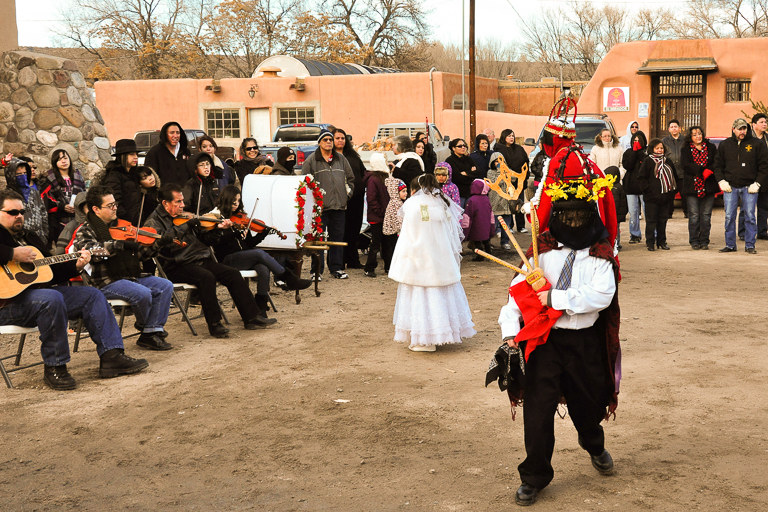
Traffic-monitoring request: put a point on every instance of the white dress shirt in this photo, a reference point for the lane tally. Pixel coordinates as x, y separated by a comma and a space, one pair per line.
591, 291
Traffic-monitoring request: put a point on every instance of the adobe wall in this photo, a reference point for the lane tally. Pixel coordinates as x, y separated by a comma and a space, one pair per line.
45, 105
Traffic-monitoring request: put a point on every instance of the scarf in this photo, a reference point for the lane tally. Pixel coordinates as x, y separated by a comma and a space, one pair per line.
700, 157
21, 180
663, 173
122, 264
405, 156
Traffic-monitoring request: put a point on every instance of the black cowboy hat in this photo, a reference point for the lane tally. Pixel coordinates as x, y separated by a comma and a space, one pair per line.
124, 146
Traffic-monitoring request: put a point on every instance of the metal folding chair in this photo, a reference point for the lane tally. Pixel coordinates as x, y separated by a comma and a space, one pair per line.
23, 331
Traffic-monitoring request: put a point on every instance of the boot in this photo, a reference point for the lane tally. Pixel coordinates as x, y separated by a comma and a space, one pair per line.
292, 281
58, 378
153, 341
114, 363
263, 302
218, 330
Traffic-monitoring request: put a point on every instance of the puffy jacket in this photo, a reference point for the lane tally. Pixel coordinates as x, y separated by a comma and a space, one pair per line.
742, 163
693, 170
674, 146
377, 195
606, 156
335, 178
126, 191
171, 168
481, 222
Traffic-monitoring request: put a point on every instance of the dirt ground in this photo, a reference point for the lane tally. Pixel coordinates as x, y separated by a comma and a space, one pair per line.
254, 423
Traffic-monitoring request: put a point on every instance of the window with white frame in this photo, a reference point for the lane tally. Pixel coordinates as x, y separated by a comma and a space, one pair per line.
223, 123
297, 115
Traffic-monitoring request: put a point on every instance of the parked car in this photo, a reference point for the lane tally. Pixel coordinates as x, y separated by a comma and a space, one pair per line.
301, 137
587, 127
146, 139
385, 132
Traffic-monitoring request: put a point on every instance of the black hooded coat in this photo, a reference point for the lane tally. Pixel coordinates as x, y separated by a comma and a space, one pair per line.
170, 168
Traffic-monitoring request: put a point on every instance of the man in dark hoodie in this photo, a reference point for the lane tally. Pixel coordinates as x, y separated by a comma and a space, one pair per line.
168, 158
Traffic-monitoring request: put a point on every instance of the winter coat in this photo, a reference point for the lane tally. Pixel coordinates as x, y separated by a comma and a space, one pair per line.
192, 192
36, 215
481, 158
150, 195
463, 181
245, 167
449, 188
537, 167
56, 198
606, 156
742, 163
279, 170
482, 225
67, 235
429, 158
499, 205
631, 161
673, 147
392, 221
126, 191
224, 175
693, 170
171, 168
619, 196
626, 140
407, 169
651, 185
377, 196
335, 178
232, 241
358, 169
514, 155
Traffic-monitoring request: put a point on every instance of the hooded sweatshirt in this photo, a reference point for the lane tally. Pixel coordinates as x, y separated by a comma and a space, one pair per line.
172, 168
478, 208
150, 195
449, 188
392, 221
202, 189
36, 215
626, 140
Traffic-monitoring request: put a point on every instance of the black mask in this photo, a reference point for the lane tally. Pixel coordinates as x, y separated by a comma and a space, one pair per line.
577, 237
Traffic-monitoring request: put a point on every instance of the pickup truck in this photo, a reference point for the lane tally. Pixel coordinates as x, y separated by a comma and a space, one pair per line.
385, 132
301, 137
146, 139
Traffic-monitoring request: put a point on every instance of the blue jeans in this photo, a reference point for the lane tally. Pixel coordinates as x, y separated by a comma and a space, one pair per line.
508, 219
762, 216
748, 205
258, 260
333, 224
699, 218
49, 309
149, 297
634, 203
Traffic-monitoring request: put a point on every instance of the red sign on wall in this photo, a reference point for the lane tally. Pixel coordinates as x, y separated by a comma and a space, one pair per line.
615, 99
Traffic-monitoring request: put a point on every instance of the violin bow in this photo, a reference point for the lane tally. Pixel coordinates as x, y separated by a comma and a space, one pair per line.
199, 197
141, 209
253, 214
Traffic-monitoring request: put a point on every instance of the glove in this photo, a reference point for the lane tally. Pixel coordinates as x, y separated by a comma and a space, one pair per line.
637, 146
754, 188
724, 186
706, 173
166, 239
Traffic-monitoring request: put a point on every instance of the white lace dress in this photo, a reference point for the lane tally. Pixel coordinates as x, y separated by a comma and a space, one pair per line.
431, 307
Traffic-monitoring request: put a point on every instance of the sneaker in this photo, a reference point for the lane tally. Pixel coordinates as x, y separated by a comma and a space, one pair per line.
340, 274
423, 348
313, 275
115, 363
751, 250
58, 378
152, 341
506, 247
522, 230
370, 274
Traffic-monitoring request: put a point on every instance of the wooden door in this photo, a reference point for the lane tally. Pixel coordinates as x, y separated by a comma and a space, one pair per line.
678, 97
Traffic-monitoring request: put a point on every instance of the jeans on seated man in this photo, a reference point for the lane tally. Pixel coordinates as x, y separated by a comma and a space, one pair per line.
119, 275
190, 261
50, 308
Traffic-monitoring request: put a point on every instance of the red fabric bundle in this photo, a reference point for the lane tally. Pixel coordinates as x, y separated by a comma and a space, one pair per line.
538, 319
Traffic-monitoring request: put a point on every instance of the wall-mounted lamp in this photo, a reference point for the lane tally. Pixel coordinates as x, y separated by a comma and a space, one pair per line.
298, 84
253, 90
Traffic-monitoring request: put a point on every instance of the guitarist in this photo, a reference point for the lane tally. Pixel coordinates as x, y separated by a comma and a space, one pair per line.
50, 306
119, 275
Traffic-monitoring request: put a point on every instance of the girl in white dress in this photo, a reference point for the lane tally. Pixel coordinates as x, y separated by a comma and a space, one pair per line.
431, 307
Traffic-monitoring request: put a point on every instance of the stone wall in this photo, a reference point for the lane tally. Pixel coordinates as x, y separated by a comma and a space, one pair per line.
46, 105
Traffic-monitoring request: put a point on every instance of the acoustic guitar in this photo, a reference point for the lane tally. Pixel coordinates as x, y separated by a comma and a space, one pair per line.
17, 277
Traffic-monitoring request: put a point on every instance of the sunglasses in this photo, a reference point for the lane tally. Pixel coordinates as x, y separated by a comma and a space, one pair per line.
461, 145
15, 213
252, 148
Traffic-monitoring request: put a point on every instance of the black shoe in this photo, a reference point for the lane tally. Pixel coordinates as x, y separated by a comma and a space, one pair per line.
115, 363
153, 342
751, 250
369, 273
163, 334
526, 495
727, 249
218, 330
357, 267
705, 247
260, 322
695, 247
651, 248
292, 281
58, 378
664, 247
603, 463
635, 239
340, 274
478, 258
762, 237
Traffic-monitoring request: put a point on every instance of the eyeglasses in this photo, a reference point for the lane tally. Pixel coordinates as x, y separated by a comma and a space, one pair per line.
15, 213
252, 148
634, 126
461, 145
111, 206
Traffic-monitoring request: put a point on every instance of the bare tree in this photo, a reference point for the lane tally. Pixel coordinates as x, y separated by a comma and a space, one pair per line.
653, 23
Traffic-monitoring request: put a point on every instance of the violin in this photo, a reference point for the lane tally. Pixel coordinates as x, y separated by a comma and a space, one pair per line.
124, 230
207, 222
240, 221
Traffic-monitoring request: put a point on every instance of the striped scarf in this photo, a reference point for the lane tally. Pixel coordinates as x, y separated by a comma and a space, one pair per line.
663, 173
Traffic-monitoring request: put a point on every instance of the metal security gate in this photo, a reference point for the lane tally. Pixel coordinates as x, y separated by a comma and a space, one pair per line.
678, 97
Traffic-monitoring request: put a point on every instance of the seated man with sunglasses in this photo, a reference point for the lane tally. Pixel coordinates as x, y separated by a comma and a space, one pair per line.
119, 275
49, 305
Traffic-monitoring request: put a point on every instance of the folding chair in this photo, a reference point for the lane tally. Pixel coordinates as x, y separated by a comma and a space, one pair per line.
248, 275
16, 329
114, 303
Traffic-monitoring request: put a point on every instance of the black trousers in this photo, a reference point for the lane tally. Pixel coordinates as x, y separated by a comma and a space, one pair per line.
679, 184
388, 243
569, 364
656, 217
352, 225
376, 235
204, 276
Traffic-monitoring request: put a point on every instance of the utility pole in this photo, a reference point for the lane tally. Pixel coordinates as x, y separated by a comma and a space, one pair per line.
472, 127
463, 95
